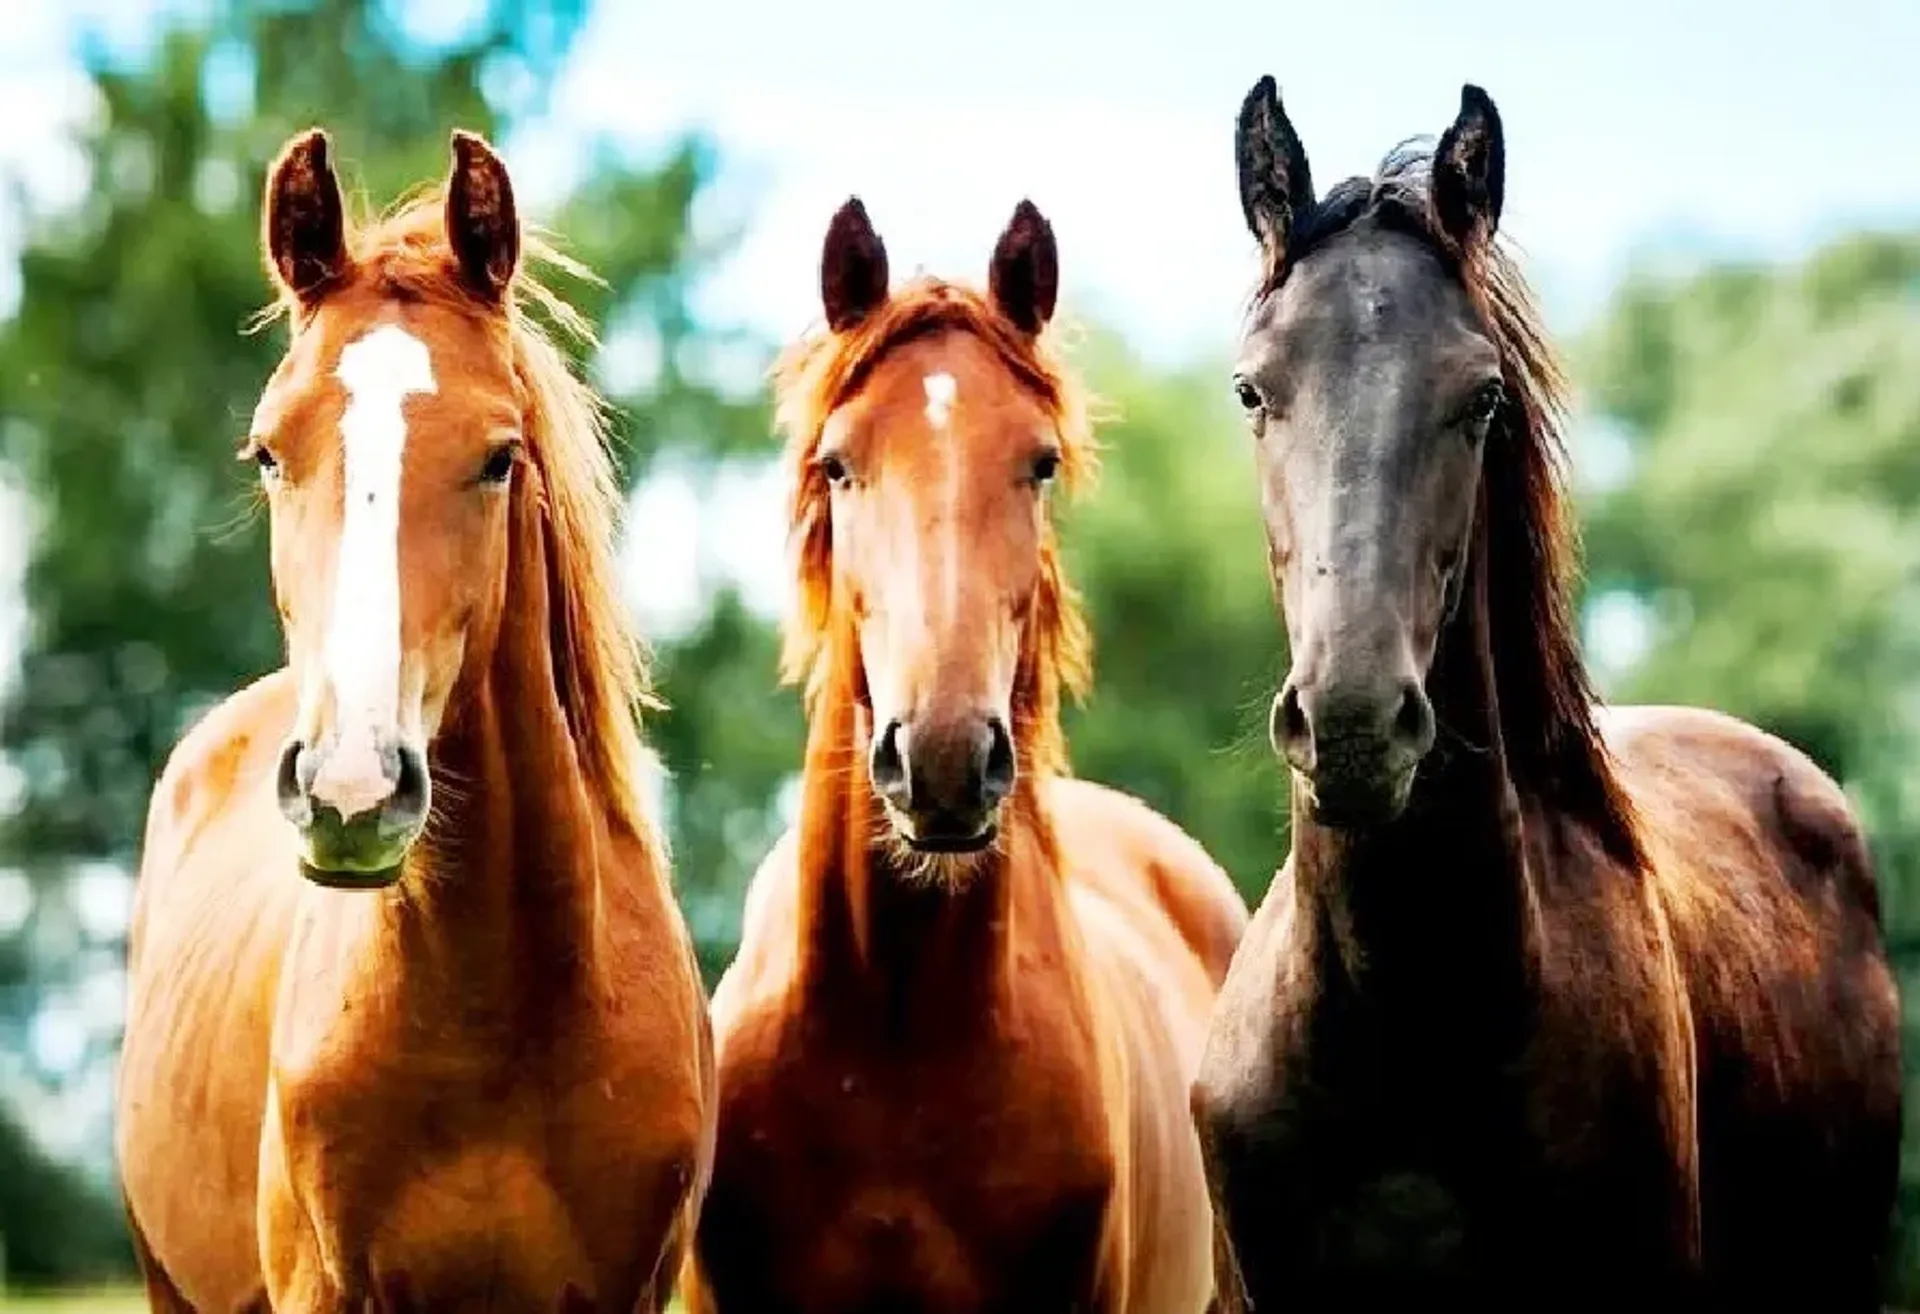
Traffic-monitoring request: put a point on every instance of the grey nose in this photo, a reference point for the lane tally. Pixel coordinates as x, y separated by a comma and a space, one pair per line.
402, 766
1306, 721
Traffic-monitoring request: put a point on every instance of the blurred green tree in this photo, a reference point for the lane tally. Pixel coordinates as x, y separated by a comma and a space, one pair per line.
1169, 552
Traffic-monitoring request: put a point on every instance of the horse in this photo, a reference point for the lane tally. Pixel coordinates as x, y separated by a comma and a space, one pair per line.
1553, 1004
413, 1021
956, 1043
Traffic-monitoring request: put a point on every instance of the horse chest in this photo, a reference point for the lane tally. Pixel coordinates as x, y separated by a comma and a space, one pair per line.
974, 1186
444, 1184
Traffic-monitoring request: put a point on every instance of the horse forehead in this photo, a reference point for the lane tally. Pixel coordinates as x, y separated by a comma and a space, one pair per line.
1372, 285
389, 361
945, 379
394, 350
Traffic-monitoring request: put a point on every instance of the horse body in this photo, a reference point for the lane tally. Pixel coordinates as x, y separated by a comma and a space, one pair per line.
480, 1075
1005, 1128
1545, 1079
955, 1044
1553, 1005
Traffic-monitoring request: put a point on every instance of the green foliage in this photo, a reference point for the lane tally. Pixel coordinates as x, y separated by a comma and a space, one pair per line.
54, 1226
1168, 550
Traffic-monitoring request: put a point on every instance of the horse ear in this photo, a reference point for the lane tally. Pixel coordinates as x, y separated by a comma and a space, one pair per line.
483, 227
305, 228
853, 267
1024, 278
1276, 185
1470, 171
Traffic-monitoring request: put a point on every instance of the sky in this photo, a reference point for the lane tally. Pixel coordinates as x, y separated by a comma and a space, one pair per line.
1700, 125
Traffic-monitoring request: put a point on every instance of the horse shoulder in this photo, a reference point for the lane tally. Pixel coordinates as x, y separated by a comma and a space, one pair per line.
1259, 1017
220, 755
1182, 878
209, 823
208, 929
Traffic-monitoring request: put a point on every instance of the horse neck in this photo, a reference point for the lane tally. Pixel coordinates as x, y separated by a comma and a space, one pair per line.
1431, 908
506, 901
912, 945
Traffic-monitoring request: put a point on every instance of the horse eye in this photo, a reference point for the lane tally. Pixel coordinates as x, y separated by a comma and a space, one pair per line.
1486, 405
1248, 394
1045, 467
500, 463
833, 469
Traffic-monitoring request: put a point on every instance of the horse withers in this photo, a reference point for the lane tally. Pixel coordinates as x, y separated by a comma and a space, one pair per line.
956, 1044
1553, 1005
413, 1019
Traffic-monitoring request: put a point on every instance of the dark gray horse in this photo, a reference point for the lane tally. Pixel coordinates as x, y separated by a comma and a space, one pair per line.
1553, 1006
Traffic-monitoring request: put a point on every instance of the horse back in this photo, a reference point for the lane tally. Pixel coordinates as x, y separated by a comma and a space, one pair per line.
1763, 872
1146, 863
1765, 878
1160, 922
210, 917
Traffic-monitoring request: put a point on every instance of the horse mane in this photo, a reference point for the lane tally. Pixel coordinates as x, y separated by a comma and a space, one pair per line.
820, 373
1553, 745
600, 661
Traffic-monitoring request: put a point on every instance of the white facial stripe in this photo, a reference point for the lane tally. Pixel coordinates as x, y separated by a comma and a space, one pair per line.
362, 648
941, 392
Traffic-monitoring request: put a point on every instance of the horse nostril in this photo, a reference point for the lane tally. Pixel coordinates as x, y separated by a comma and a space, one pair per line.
887, 766
293, 779
412, 789
1290, 730
997, 770
1413, 720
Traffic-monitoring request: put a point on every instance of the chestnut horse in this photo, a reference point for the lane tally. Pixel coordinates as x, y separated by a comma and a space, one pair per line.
956, 1044
413, 1020
1553, 1005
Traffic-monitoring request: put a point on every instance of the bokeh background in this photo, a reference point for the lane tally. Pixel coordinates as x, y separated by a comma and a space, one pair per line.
1718, 203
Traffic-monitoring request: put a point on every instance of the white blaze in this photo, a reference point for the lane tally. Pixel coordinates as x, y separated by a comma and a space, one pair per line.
941, 391
361, 653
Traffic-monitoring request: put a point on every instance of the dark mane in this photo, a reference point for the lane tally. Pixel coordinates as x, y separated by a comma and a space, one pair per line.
820, 373
1554, 749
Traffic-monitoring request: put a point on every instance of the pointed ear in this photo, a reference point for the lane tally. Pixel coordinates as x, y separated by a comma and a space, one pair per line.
1024, 278
1470, 171
483, 227
853, 267
304, 225
1275, 184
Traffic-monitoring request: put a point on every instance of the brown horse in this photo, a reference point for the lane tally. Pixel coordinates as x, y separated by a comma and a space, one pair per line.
414, 1022
1553, 1006
956, 1044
